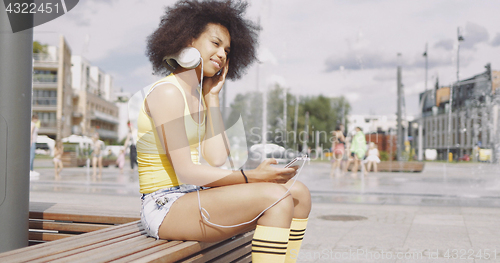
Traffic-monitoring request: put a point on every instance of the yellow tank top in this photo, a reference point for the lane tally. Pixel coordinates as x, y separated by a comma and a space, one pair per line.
155, 170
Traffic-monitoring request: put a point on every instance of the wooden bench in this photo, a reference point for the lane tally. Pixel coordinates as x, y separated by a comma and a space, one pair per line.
50, 221
397, 166
108, 242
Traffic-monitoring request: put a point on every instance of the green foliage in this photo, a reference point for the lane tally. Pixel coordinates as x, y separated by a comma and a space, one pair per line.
384, 156
324, 115
39, 48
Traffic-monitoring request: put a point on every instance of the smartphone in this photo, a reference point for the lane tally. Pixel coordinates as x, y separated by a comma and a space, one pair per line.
298, 161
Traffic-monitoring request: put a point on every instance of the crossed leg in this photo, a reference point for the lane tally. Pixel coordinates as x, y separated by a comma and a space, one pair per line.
234, 204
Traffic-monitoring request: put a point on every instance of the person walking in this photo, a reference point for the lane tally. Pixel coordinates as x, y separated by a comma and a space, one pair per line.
338, 149
131, 137
97, 146
33, 137
357, 150
57, 160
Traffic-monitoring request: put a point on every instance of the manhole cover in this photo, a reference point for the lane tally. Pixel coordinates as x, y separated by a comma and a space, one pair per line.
342, 217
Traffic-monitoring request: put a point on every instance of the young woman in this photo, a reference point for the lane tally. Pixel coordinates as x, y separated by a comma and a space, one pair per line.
358, 150
338, 148
96, 156
170, 125
373, 158
57, 160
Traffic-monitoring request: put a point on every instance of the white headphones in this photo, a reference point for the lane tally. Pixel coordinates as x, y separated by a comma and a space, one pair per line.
188, 58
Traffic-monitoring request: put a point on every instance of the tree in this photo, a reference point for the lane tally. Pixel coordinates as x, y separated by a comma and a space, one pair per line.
325, 114
38, 48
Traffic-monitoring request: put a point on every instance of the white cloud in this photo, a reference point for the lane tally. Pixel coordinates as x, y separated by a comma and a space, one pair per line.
302, 40
352, 97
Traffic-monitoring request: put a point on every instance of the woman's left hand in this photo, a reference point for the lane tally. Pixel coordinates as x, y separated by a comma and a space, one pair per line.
213, 85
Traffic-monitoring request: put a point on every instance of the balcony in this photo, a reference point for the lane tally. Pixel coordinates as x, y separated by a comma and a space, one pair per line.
45, 60
97, 115
107, 134
44, 78
49, 127
44, 81
44, 103
45, 57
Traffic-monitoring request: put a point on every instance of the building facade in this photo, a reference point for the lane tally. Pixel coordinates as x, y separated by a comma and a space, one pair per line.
93, 110
70, 96
474, 117
52, 94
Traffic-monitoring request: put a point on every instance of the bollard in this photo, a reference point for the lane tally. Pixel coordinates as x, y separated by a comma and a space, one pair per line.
16, 67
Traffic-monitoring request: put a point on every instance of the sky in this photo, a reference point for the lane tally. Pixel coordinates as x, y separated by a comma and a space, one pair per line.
330, 47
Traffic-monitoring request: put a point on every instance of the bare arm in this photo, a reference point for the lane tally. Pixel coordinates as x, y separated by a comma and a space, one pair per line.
166, 106
31, 133
215, 147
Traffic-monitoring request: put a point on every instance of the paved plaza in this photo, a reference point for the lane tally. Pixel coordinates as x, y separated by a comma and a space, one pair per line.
447, 213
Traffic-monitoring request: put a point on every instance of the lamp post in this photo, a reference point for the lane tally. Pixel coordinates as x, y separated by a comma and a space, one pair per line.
459, 39
421, 121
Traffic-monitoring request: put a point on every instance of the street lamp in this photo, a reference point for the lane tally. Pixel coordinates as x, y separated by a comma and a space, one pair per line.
460, 38
421, 121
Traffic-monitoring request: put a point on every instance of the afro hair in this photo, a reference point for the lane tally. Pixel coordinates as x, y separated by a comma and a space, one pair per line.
187, 20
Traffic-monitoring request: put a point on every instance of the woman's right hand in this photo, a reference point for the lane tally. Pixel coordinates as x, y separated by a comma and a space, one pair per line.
267, 173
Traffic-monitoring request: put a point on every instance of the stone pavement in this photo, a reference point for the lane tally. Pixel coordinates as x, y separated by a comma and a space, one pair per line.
447, 213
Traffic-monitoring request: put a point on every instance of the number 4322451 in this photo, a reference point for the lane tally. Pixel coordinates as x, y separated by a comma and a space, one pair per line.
32, 8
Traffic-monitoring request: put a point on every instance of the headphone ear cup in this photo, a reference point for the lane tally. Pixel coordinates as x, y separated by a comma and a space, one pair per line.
188, 58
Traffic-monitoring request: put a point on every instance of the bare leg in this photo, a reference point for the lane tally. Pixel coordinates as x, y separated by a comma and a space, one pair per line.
375, 167
56, 177
349, 160
227, 205
355, 167
60, 166
100, 168
94, 167
301, 199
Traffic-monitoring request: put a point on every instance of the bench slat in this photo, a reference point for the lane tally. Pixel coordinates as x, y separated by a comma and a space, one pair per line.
245, 259
175, 253
82, 249
47, 236
80, 213
63, 226
108, 252
144, 253
226, 246
234, 255
63, 245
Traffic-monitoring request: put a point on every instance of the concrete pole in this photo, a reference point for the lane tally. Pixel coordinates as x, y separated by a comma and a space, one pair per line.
16, 67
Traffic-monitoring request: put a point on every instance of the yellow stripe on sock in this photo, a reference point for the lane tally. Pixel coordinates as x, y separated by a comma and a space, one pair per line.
269, 244
297, 232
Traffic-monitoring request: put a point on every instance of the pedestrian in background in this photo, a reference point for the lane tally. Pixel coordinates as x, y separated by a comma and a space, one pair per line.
96, 156
132, 133
57, 160
338, 148
373, 158
358, 150
120, 161
33, 136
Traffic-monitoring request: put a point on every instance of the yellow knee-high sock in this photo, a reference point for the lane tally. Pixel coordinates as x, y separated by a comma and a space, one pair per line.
269, 244
297, 231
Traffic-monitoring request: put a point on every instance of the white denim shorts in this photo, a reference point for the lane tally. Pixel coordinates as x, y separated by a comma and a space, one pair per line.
156, 205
